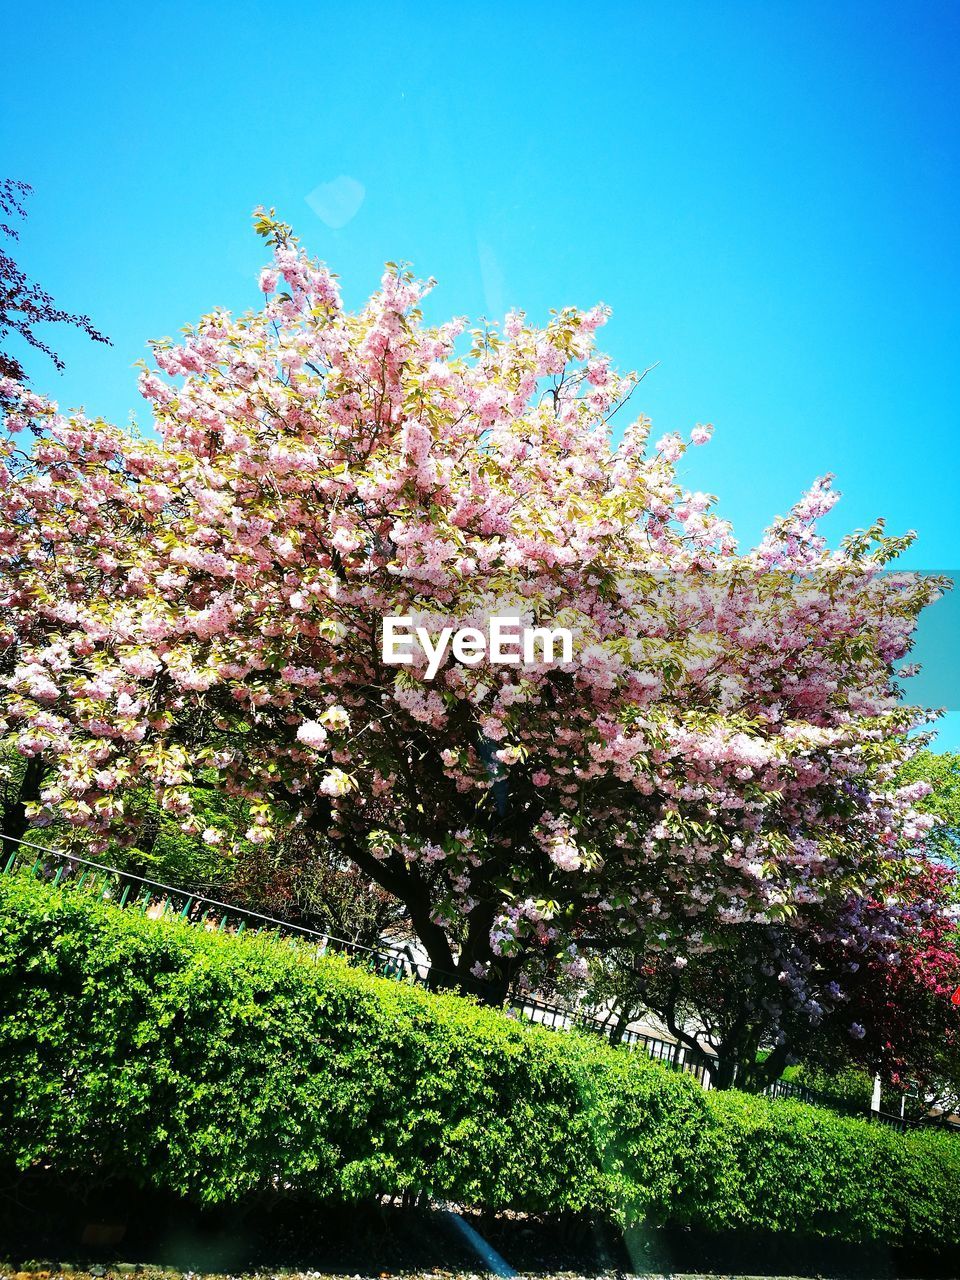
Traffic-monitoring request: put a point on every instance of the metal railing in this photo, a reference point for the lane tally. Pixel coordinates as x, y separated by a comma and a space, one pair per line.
905, 1124
152, 897
670, 1052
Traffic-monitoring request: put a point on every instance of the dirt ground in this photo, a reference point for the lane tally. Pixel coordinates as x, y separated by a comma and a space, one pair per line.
52, 1237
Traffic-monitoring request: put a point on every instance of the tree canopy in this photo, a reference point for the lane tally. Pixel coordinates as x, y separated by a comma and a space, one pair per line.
722, 748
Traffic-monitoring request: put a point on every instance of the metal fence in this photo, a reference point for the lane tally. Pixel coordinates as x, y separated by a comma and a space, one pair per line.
791, 1089
151, 897
669, 1052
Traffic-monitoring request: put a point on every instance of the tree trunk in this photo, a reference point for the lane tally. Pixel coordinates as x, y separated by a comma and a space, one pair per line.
624, 1018
724, 1074
407, 885
764, 1073
447, 970
14, 822
669, 1014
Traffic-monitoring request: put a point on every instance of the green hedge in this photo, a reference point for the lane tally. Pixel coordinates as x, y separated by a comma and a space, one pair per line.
849, 1089
785, 1166
215, 1066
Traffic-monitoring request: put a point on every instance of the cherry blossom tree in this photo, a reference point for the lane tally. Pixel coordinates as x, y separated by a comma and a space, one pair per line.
720, 749
864, 981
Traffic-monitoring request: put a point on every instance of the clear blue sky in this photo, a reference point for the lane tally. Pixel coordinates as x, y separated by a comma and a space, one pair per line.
766, 194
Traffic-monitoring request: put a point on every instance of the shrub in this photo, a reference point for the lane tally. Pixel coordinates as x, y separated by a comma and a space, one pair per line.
785, 1166
216, 1066
850, 1088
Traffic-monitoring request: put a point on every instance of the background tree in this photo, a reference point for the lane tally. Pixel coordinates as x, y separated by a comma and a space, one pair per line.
297, 877
302, 879
899, 1002
21, 779
24, 305
750, 1000
941, 771
869, 987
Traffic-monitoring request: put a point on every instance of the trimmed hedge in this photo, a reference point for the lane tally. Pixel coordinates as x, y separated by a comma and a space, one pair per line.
849, 1089
786, 1166
216, 1066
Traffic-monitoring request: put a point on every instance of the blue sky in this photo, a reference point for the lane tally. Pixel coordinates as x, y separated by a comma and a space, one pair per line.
766, 194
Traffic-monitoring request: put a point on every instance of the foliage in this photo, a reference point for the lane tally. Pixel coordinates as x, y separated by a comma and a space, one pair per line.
867, 983
850, 1089
302, 877
23, 304
793, 1167
202, 858
215, 1066
900, 999
721, 750
941, 772
162, 851
849, 1086
298, 877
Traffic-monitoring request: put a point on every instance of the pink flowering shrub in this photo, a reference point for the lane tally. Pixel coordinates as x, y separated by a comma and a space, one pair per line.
721, 749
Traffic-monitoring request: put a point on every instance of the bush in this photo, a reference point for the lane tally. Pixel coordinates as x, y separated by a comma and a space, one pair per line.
785, 1166
849, 1088
216, 1066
